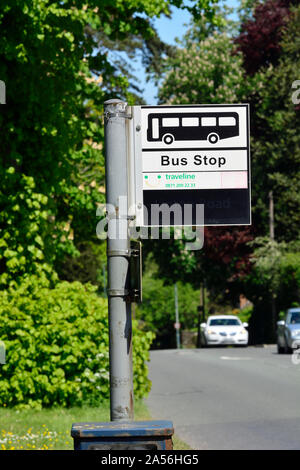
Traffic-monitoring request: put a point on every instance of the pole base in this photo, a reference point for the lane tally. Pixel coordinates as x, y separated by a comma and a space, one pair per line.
127, 435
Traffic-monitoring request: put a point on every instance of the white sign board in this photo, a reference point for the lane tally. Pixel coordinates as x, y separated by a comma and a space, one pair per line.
196, 154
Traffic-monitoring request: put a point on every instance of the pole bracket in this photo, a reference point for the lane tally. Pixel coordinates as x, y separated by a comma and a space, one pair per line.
120, 114
117, 292
126, 253
119, 217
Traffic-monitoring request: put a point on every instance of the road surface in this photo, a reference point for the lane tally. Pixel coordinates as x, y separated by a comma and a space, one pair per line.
228, 398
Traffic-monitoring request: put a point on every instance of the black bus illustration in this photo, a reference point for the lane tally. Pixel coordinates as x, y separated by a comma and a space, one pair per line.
168, 127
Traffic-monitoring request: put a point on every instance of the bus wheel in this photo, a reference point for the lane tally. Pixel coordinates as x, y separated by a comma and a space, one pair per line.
213, 138
168, 139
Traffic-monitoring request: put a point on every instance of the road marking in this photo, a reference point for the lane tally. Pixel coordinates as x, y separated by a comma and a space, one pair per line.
227, 358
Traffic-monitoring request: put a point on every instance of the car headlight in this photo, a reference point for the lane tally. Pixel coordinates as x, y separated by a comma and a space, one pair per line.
211, 332
295, 333
243, 331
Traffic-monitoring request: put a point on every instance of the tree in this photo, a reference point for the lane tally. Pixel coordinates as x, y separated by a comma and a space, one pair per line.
260, 36
44, 128
207, 48
157, 311
220, 80
276, 149
275, 275
225, 255
222, 263
225, 260
51, 157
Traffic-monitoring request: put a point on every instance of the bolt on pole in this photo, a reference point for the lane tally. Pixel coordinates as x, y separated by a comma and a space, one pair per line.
118, 253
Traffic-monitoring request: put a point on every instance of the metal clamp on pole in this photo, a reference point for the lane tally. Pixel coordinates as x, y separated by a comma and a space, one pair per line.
117, 292
114, 109
118, 253
122, 115
115, 216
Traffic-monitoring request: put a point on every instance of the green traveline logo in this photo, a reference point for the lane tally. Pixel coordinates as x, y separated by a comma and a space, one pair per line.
2, 352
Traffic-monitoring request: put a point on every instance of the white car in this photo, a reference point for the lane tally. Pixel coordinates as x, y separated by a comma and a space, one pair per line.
223, 330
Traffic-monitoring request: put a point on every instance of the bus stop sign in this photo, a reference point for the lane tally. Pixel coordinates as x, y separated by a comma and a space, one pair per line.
189, 155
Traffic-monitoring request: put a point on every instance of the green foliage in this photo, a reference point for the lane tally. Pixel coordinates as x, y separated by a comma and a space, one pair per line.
290, 279
58, 74
266, 257
46, 132
23, 213
57, 346
157, 311
276, 146
49, 428
89, 266
207, 69
276, 272
244, 314
221, 78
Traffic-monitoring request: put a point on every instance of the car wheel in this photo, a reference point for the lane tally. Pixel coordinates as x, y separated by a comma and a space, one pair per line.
287, 349
280, 349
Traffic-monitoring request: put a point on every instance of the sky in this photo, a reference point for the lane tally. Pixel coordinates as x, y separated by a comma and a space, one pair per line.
168, 29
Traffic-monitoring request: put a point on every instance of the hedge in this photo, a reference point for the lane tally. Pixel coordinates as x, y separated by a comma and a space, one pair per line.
56, 343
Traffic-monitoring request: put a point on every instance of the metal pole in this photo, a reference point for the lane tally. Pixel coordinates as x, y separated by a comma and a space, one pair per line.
203, 301
201, 311
177, 317
272, 237
104, 279
118, 252
271, 215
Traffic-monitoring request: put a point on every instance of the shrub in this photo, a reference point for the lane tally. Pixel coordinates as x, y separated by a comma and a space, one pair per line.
57, 346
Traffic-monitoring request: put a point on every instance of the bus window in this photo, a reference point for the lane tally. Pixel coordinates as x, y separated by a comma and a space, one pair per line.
227, 121
208, 121
190, 121
170, 122
155, 128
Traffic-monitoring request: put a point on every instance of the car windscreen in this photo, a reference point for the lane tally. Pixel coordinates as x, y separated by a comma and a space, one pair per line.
294, 318
224, 322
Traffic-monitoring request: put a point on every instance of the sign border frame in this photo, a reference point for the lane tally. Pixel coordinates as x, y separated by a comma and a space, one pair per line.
136, 152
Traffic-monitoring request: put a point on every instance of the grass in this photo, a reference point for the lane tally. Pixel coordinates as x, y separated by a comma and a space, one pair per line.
50, 429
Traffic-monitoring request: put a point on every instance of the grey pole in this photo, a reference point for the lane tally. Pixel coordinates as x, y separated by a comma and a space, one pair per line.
177, 317
104, 279
271, 215
118, 252
272, 237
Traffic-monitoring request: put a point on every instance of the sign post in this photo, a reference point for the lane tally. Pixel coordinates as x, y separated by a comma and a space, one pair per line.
118, 254
122, 433
157, 156
177, 324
